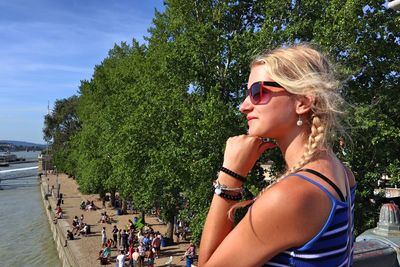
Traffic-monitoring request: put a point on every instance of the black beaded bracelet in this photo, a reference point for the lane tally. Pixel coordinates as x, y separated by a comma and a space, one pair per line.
230, 197
233, 174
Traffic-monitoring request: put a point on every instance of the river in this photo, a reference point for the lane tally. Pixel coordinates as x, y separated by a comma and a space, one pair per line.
25, 234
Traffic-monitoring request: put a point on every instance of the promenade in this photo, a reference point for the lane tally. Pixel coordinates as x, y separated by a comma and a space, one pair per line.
84, 251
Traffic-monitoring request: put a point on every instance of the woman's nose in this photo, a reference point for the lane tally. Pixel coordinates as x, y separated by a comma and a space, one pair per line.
246, 105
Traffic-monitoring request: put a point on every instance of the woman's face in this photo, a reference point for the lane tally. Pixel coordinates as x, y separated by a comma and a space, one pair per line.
274, 119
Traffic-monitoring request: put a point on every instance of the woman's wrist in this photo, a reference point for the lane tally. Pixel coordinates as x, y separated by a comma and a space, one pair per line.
236, 170
228, 180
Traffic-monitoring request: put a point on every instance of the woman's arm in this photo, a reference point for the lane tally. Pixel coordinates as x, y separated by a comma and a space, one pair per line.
241, 153
217, 225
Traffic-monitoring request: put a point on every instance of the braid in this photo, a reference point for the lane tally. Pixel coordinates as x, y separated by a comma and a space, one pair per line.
314, 144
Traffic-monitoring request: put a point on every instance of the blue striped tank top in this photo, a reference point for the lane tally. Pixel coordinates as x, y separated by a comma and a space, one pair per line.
330, 246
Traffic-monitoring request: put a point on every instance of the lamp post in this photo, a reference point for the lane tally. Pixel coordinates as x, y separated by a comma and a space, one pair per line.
45, 160
47, 148
57, 183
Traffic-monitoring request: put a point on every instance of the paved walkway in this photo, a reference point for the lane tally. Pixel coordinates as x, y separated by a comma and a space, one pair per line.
87, 249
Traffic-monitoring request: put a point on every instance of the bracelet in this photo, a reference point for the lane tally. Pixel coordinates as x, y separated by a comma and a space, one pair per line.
233, 174
229, 197
218, 186
220, 189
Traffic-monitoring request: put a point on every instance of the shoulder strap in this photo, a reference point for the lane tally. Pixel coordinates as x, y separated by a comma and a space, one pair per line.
350, 238
323, 177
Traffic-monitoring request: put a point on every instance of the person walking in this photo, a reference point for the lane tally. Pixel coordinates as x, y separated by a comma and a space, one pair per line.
124, 236
305, 218
119, 236
115, 235
120, 260
156, 244
189, 255
103, 236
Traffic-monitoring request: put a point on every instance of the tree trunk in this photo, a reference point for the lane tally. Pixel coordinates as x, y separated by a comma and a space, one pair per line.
112, 198
169, 235
143, 217
124, 206
102, 195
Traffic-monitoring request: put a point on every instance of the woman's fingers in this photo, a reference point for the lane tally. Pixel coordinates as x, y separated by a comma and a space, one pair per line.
265, 146
243, 151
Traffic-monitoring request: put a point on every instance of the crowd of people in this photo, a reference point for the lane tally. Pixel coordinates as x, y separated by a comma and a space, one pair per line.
137, 246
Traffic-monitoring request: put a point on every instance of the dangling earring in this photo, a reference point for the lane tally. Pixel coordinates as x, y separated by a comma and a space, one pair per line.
299, 122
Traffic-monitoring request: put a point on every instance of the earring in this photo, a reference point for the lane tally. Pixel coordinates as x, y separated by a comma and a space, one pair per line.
299, 122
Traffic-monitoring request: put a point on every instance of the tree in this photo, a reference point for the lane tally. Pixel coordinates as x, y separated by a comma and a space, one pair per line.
59, 128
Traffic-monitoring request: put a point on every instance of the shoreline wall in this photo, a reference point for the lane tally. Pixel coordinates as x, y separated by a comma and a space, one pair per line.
58, 230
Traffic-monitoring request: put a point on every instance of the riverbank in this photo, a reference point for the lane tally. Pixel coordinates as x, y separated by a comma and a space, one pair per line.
83, 251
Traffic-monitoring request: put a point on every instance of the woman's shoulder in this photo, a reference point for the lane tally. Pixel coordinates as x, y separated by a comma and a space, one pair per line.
293, 203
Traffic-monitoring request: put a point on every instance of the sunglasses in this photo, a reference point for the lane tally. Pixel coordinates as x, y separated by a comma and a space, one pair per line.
260, 94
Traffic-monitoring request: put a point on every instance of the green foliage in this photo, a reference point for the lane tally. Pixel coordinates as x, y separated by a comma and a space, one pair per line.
153, 120
59, 128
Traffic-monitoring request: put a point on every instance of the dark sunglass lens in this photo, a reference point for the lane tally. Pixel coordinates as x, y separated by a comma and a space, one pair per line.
255, 92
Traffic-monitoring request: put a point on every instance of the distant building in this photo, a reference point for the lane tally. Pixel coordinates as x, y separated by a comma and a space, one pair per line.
44, 162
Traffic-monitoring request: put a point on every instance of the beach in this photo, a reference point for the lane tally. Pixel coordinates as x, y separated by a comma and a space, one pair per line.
84, 251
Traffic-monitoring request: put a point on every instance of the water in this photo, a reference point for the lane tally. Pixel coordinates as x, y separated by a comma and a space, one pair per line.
26, 239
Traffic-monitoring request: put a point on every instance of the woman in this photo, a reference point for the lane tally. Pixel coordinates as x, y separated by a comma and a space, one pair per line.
304, 218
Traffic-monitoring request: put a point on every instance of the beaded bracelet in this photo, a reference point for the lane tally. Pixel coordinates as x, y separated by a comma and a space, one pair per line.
233, 174
229, 197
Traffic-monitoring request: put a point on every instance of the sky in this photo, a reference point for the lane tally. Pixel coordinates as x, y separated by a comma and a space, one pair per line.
48, 46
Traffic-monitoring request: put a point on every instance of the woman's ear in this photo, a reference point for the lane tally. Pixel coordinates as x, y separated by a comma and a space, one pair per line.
304, 103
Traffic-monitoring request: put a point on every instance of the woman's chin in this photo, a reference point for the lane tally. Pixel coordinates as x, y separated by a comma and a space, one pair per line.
254, 132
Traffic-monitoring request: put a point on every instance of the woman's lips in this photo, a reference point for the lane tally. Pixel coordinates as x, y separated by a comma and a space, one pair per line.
249, 118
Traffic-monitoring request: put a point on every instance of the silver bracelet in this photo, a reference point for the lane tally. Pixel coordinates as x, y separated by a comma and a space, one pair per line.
219, 188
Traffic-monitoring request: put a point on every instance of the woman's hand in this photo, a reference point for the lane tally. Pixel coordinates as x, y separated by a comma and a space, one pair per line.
242, 152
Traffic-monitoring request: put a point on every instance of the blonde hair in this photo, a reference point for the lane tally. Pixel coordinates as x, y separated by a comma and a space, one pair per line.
302, 70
